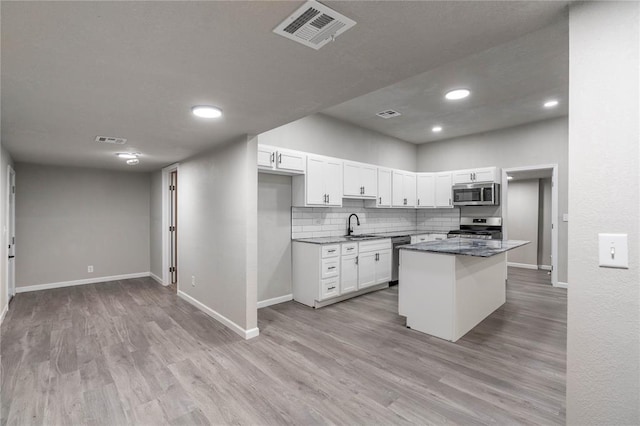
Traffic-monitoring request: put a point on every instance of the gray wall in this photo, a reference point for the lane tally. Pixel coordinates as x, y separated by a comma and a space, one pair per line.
544, 223
274, 236
542, 142
603, 347
5, 161
155, 232
68, 218
217, 219
522, 220
320, 134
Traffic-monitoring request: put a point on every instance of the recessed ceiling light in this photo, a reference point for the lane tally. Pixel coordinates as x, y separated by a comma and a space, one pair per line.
206, 111
133, 161
454, 95
551, 103
436, 129
509, 177
128, 155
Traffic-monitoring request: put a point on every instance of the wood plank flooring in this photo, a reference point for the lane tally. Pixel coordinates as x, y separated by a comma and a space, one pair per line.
131, 352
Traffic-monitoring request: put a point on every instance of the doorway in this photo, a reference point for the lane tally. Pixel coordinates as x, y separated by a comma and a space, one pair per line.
11, 233
170, 226
530, 212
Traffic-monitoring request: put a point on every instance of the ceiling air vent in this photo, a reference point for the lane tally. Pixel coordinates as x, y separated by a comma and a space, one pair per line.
388, 114
109, 139
314, 25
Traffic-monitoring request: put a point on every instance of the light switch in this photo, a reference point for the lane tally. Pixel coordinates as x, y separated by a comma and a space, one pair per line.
565, 217
613, 250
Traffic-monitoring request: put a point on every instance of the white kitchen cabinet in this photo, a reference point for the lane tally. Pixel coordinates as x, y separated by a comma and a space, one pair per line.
403, 189
384, 188
426, 190
374, 263
485, 174
443, 190
349, 268
360, 180
421, 238
321, 185
281, 161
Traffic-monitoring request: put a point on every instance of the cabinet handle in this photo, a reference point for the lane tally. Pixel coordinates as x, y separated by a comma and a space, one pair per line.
273, 157
418, 201
380, 200
279, 158
363, 191
331, 251
331, 288
331, 267
357, 260
325, 198
328, 198
377, 256
349, 248
449, 201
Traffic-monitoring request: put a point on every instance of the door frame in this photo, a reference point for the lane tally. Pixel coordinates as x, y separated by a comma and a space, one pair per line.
10, 214
166, 208
554, 209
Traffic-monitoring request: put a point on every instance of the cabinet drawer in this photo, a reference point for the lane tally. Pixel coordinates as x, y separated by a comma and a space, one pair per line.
330, 268
329, 288
349, 248
330, 251
375, 245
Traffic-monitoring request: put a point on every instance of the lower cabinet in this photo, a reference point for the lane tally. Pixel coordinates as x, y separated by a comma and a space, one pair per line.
427, 237
324, 272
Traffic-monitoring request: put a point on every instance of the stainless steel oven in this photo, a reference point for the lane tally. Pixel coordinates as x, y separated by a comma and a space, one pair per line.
476, 194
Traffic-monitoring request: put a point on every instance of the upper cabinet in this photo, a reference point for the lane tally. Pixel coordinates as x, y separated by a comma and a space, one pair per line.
443, 189
281, 161
404, 189
321, 186
426, 190
384, 187
360, 180
485, 174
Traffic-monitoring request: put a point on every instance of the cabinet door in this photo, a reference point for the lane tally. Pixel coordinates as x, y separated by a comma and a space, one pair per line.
291, 161
426, 190
368, 177
266, 156
383, 266
462, 176
486, 175
329, 288
410, 189
443, 190
366, 269
384, 188
348, 274
316, 194
333, 182
352, 183
397, 193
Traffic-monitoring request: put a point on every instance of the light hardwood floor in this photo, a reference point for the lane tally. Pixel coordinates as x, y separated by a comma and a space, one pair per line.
131, 352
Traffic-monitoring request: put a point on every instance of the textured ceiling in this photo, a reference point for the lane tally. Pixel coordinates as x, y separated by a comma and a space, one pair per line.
75, 70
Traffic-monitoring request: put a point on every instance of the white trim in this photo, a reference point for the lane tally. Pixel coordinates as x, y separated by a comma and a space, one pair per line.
4, 312
60, 284
561, 285
545, 267
522, 265
246, 334
9, 292
165, 221
275, 301
157, 278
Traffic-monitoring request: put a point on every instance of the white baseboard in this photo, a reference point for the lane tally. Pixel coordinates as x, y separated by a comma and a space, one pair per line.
156, 278
4, 313
246, 334
275, 301
544, 267
522, 265
560, 284
60, 284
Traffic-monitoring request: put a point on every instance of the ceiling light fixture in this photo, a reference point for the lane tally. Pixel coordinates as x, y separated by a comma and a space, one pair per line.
551, 103
509, 177
436, 129
456, 94
133, 161
128, 155
206, 111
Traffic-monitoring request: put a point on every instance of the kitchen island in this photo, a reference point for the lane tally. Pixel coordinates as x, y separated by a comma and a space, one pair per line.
448, 287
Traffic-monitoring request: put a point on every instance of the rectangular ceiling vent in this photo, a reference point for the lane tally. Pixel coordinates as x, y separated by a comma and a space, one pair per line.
109, 139
388, 114
314, 25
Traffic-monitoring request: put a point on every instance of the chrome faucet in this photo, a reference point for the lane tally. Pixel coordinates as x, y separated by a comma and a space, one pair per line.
349, 227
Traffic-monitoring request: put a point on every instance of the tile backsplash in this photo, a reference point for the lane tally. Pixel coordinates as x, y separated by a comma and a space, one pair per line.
307, 222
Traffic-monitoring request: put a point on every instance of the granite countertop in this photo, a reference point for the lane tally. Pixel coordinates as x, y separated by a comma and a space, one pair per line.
466, 246
375, 236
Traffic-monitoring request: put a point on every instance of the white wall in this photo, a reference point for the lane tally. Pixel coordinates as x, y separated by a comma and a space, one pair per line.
320, 134
543, 142
217, 219
603, 347
5, 161
522, 220
274, 236
155, 232
68, 218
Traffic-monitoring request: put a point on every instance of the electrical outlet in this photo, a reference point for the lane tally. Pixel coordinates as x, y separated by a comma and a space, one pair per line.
90, 268
193, 280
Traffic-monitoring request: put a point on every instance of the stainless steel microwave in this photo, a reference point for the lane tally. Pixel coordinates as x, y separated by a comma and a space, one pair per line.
476, 194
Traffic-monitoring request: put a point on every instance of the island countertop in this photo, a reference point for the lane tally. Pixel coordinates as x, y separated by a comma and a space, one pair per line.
466, 246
